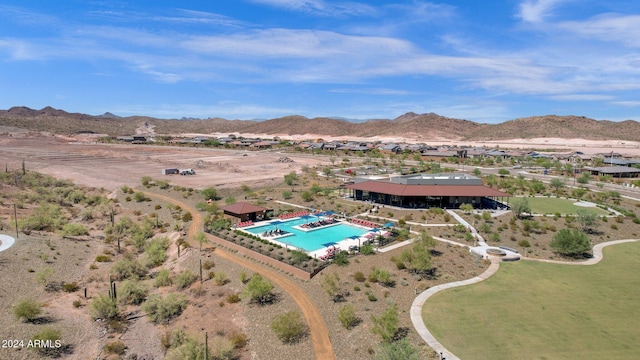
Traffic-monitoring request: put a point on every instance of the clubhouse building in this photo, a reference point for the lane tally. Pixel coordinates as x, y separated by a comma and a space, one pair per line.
447, 191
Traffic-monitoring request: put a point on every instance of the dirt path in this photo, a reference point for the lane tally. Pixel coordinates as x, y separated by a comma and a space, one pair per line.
317, 327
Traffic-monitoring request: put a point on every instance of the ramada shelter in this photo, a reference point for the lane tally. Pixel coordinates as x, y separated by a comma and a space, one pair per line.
245, 211
429, 190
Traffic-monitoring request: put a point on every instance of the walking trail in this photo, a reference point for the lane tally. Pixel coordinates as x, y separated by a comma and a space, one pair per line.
418, 303
317, 327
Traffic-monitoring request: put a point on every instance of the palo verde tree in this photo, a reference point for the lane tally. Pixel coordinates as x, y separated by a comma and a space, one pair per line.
290, 179
519, 206
557, 184
570, 242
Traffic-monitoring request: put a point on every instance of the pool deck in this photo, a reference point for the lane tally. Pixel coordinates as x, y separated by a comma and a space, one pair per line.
341, 245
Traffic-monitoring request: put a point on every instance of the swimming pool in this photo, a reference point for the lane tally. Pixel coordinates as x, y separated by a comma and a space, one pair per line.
309, 240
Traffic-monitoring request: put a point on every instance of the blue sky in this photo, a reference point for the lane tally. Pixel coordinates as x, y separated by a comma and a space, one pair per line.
486, 61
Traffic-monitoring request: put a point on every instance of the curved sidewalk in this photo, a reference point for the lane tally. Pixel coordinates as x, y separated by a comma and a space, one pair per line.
418, 303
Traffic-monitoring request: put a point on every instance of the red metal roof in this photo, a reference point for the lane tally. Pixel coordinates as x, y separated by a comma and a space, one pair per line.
383, 187
243, 208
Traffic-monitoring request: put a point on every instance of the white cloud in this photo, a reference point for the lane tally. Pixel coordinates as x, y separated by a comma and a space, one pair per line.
322, 8
224, 109
621, 28
582, 97
630, 103
534, 11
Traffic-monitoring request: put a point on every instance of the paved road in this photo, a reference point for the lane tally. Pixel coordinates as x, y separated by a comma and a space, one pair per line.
317, 327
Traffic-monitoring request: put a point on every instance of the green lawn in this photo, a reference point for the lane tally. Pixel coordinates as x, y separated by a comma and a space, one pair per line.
552, 205
533, 310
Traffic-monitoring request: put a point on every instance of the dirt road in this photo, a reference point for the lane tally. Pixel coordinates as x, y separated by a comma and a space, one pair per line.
317, 327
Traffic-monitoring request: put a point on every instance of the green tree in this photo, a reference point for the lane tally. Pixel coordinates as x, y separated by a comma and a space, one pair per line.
520, 205
290, 179
289, 327
286, 194
584, 178
27, 310
557, 184
586, 219
570, 242
259, 290
503, 172
386, 325
418, 258
477, 172
210, 193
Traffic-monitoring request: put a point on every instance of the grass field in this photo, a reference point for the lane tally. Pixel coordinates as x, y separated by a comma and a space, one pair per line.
533, 310
552, 205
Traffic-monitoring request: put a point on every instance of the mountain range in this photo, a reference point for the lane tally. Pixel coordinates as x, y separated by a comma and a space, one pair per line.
418, 126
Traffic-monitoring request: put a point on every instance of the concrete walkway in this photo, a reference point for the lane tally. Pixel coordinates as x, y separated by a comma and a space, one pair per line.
418, 303
6, 242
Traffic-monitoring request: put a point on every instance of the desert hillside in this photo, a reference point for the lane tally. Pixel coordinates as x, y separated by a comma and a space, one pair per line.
418, 126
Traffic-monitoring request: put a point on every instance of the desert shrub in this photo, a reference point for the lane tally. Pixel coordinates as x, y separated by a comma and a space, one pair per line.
367, 249
372, 297
184, 279
359, 276
103, 258
244, 277
115, 347
233, 298
162, 278
220, 278
45, 217
347, 316
524, 243
186, 217
27, 310
258, 290
380, 276
70, 287
386, 325
289, 327
208, 264
238, 339
128, 268
401, 349
103, 307
331, 284
74, 230
341, 258
139, 197
298, 257
164, 309
132, 292
156, 251
51, 336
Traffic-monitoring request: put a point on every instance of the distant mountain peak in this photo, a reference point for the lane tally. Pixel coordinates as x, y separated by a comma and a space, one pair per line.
108, 115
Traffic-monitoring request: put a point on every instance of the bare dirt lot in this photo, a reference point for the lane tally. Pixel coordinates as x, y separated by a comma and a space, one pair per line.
113, 165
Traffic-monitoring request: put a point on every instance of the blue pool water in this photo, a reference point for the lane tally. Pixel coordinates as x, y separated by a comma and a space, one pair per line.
310, 240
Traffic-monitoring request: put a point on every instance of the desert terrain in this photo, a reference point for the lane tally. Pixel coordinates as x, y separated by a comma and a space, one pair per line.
108, 167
